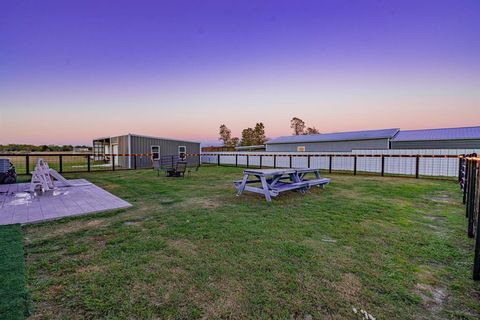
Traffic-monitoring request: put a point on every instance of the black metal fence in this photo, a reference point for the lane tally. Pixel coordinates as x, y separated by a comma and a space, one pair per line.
74, 163
470, 185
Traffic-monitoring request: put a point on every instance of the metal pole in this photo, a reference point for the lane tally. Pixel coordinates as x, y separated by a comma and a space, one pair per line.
60, 163
135, 161
274, 161
218, 159
236, 160
330, 164
308, 161
248, 161
113, 162
383, 165
88, 163
261, 161
290, 161
354, 165
27, 164
417, 167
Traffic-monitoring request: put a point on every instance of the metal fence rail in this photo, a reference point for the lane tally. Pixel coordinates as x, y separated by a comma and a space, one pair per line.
74, 163
415, 165
470, 185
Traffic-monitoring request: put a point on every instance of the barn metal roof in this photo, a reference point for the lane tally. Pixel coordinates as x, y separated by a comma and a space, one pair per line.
337, 136
464, 133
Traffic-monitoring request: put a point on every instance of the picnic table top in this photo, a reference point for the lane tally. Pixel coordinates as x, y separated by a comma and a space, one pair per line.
274, 172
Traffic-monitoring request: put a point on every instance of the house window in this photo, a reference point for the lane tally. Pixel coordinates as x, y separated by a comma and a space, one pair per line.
155, 152
301, 149
182, 152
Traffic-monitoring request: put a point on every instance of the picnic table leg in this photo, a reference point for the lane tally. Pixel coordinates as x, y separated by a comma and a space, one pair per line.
265, 189
242, 185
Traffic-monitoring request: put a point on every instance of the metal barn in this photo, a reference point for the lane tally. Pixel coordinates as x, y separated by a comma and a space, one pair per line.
446, 138
333, 142
145, 148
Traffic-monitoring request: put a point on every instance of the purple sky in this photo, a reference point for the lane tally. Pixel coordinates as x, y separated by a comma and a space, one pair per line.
74, 70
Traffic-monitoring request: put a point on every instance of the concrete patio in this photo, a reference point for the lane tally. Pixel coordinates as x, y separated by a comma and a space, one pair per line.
19, 206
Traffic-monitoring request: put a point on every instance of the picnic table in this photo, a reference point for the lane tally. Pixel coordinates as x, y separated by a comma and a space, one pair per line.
274, 181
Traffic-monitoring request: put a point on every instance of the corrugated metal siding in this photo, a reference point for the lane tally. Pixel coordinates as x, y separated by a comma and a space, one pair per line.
167, 147
122, 142
438, 144
330, 146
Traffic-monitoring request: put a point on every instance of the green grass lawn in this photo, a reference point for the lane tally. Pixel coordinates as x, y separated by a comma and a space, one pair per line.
189, 248
13, 293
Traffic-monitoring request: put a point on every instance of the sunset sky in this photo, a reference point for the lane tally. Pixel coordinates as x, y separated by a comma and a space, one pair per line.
74, 70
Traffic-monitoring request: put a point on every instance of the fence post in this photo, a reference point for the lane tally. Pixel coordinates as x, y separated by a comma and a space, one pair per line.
113, 162
27, 164
354, 165
261, 161
471, 199
290, 161
383, 166
248, 161
308, 161
218, 159
60, 163
460, 165
417, 166
274, 161
476, 261
236, 160
135, 161
88, 163
330, 164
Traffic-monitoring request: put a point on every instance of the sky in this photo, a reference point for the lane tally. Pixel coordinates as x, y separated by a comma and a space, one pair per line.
71, 71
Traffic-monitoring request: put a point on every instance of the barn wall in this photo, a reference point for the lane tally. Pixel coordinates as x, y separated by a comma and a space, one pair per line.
330, 146
437, 144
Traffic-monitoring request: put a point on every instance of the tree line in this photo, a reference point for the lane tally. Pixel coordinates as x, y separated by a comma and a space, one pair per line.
40, 148
256, 135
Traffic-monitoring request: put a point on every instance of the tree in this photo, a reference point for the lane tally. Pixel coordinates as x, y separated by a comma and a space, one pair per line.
226, 137
311, 130
247, 137
259, 134
254, 136
298, 126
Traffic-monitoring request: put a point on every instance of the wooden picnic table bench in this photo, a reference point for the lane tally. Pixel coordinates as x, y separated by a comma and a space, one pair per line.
274, 181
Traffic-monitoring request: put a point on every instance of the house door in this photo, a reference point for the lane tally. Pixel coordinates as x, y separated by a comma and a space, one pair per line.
115, 153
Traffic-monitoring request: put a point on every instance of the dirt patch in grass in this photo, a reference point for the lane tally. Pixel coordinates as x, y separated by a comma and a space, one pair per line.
442, 197
226, 305
349, 287
202, 202
183, 245
433, 296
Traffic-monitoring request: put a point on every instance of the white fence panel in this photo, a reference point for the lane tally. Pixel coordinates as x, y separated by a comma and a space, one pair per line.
367, 160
